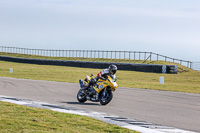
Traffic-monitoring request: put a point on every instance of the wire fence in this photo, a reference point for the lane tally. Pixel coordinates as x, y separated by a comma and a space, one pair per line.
126, 55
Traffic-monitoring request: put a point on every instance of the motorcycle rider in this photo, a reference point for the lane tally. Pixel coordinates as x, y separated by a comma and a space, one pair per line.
110, 71
103, 74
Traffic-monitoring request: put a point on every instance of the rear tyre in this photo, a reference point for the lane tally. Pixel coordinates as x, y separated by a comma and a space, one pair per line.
81, 97
106, 99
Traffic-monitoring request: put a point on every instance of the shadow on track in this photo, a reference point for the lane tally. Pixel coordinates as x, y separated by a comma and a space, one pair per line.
78, 103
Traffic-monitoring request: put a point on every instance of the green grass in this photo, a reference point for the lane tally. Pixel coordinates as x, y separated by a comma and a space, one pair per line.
186, 80
19, 119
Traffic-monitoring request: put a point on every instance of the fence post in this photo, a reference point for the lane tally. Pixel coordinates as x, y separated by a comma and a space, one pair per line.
41, 53
150, 55
157, 57
139, 55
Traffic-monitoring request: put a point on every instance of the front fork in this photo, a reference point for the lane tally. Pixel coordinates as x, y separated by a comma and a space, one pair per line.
104, 92
81, 83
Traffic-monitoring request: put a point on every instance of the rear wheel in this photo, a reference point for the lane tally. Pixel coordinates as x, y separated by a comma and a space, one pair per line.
81, 97
107, 98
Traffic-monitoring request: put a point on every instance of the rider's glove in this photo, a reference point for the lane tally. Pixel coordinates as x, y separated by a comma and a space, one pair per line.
99, 74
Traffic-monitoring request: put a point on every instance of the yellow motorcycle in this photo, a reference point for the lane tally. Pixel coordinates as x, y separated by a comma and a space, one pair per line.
100, 91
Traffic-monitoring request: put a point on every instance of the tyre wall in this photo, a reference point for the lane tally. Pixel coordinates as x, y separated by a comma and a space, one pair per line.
153, 68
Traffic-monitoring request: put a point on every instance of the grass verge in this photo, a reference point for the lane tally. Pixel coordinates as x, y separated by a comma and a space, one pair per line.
17, 118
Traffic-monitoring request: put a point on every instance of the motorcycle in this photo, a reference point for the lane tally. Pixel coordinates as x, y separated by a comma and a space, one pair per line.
100, 91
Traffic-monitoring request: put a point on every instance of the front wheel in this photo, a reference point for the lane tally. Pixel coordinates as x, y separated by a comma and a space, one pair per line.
107, 98
81, 97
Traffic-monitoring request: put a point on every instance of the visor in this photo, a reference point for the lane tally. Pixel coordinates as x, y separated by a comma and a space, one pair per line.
113, 71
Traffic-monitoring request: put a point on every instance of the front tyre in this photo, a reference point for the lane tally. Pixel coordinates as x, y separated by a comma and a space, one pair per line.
107, 98
81, 97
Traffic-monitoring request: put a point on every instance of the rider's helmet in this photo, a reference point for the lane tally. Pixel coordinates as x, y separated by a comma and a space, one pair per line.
112, 69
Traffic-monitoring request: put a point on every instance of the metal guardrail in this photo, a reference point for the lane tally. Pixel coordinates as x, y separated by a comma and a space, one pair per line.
129, 55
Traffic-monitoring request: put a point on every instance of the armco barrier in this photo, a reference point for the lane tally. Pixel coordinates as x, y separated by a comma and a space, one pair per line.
173, 69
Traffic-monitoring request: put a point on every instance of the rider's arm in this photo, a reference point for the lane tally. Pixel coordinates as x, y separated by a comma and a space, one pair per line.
103, 73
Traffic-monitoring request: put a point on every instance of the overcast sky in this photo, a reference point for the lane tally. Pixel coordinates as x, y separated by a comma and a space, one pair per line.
167, 27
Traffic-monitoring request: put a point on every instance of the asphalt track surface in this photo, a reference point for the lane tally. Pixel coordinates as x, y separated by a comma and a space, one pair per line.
175, 109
